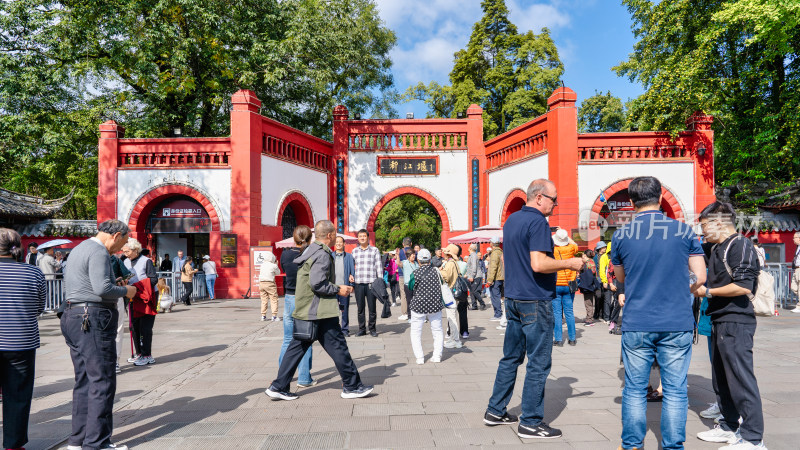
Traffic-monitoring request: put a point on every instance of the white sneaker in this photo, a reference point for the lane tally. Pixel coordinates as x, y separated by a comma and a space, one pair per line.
500, 327
436, 359
717, 434
403, 317
115, 447
495, 319
712, 412
263, 318
741, 444
420, 360
133, 358
453, 344
720, 417
74, 447
796, 309
117, 369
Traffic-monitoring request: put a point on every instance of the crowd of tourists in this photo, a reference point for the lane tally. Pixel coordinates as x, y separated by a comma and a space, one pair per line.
531, 279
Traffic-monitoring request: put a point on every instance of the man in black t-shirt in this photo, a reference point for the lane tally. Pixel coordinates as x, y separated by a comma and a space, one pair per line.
733, 270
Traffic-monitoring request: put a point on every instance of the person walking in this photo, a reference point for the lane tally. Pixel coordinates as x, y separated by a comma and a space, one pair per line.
426, 305
475, 277
565, 248
587, 284
89, 328
794, 285
33, 253
402, 255
658, 320
302, 238
409, 266
496, 278
142, 310
733, 269
529, 293
368, 267
317, 307
457, 323
392, 274
345, 269
23, 293
210, 270
267, 288
48, 264
187, 274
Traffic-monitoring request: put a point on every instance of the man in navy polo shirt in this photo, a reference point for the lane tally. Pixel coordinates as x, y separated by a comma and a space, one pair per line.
653, 256
530, 287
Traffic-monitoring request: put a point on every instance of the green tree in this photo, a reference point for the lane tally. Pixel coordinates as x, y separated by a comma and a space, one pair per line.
408, 216
601, 113
737, 60
66, 66
509, 74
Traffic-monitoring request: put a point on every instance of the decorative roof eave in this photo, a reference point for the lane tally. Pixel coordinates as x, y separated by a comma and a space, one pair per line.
58, 227
22, 205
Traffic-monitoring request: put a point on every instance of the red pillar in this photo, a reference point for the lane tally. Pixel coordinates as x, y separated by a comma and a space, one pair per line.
562, 156
476, 150
340, 153
703, 138
245, 162
107, 156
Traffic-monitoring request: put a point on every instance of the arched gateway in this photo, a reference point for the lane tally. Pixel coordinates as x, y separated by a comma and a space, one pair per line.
253, 187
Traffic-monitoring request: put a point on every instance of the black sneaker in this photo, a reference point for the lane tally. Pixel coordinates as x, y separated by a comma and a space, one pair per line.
493, 419
361, 333
541, 431
373, 333
275, 394
572, 343
362, 391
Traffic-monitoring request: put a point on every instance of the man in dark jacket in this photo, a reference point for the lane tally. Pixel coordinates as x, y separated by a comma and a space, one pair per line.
345, 268
316, 301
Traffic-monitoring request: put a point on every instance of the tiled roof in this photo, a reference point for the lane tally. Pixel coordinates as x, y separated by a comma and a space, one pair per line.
59, 227
14, 204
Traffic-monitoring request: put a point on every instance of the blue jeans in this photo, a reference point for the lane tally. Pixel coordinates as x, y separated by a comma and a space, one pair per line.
496, 296
563, 302
304, 377
674, 352
210, 280
344, 309
530, 325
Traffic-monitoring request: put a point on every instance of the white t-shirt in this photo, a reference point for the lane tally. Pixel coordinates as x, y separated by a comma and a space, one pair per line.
210, 268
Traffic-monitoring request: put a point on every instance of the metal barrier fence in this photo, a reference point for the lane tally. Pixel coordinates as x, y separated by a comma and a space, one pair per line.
783, 278
55, 288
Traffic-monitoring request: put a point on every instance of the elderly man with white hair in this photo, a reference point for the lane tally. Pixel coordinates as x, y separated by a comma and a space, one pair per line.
142, 326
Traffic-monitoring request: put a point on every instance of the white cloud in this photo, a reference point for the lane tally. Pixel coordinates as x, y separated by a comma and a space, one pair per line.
425, 61
536, 16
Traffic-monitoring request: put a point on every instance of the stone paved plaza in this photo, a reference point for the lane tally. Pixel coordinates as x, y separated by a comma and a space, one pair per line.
215, 358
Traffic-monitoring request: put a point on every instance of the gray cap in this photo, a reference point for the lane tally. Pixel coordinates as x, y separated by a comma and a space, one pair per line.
424, 255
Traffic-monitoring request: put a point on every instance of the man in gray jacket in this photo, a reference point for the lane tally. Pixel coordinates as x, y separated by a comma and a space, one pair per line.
89, 325
475, 277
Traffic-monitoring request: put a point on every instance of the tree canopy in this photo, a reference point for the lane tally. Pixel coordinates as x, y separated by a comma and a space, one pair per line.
509, 74
601, 113
408, 216
737, 60
66, 66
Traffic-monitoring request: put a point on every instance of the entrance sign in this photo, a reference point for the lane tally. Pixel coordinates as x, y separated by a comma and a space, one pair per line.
228, 252
257, 257
402, 165
180, 215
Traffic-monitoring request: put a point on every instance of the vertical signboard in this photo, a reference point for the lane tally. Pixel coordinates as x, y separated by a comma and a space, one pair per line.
228, 251
257, 257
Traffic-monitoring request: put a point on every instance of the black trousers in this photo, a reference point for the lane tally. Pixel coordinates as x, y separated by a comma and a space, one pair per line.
734, 380
598, 303
615, 309
187, 293
476, 292
463, 324
142, 334
94, 356
608, 303
394, 289
365, 299
16, 380
330, 337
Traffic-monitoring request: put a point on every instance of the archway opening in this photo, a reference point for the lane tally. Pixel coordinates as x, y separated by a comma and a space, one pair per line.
411, 216
179, 223
514, 202
618, 210
294, 212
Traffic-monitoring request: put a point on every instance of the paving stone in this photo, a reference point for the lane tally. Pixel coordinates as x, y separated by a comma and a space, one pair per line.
391, 439
310, 441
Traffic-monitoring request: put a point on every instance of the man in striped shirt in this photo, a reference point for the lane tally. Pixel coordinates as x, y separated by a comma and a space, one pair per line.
368, 268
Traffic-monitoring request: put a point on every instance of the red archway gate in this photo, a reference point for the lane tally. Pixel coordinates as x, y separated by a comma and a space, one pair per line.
410, 191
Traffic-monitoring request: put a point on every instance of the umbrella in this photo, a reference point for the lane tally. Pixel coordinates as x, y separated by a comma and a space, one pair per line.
289, 242
479, 235
54, 243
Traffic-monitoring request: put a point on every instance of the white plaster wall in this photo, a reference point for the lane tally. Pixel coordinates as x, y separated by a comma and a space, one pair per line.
280, 178
518, 176
214, 184
678, 178
451, 187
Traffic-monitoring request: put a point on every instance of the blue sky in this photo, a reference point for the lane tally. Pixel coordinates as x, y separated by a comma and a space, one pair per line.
591, 35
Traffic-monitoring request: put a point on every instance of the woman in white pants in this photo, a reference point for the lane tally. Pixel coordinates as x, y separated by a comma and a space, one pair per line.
426, 303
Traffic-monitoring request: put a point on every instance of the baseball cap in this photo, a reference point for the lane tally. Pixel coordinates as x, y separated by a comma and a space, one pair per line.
206, 257
424, 255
